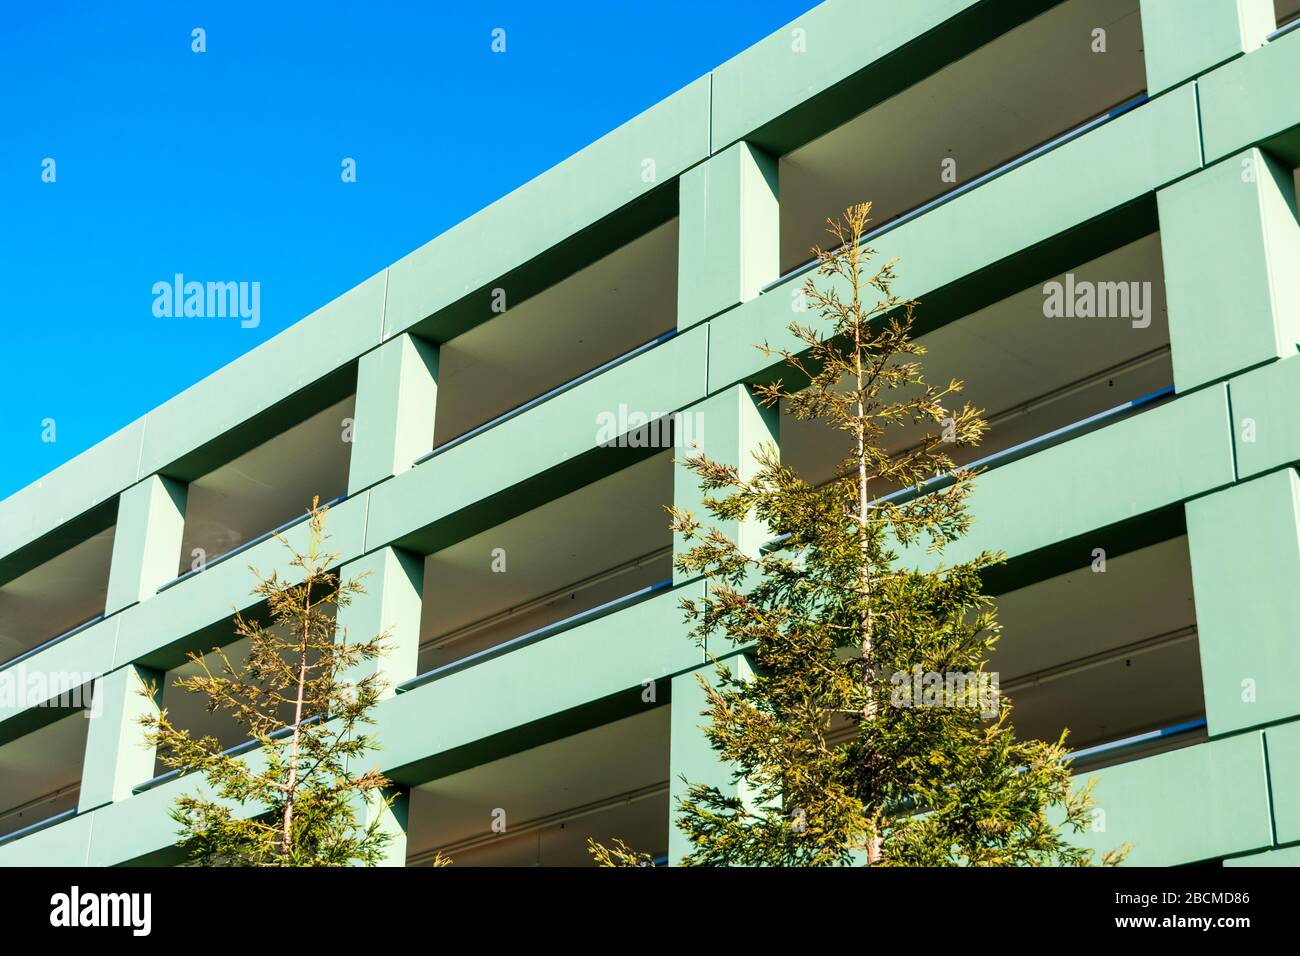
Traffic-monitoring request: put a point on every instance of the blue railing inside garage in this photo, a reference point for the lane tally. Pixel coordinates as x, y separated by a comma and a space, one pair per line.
1116, 747
245, 746
1013, 163
1283, 30
532, 637
546, 396
252, 543
52, 641
39, 825
1015, 452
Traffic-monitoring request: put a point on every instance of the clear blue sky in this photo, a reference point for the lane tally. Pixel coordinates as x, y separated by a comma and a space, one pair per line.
225, 165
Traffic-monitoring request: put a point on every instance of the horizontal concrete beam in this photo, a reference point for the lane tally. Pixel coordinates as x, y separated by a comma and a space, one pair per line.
1198, 803
585, 666
64, 844
844, 56
192, 614
159, 631
551, 265
1251, 101
43, 676
37, 551
1134, 467
947, 257
306, 352
643, 155
73, 502
541, 453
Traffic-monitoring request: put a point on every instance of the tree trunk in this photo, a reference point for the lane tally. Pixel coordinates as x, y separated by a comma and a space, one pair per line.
286, 834
875, 844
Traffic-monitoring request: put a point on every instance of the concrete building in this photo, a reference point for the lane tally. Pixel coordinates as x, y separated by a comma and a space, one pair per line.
1096, 202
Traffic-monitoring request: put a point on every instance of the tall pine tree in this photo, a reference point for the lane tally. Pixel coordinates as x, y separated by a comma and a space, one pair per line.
837, 758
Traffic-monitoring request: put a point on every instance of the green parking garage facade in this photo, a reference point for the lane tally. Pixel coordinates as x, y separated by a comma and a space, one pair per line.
1125, 456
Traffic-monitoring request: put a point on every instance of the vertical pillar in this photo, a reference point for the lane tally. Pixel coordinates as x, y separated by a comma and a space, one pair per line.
730, 426
1184, 38
394, 590
118, 759
1245, 551
691, 758
1230, 242
146, 540
393, 818
730, 229
397, 391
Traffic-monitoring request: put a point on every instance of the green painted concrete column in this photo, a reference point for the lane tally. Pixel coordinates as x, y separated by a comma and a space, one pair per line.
1283, 744
146, 540
733, 426
394, 587
1183, 38
1245, 551
117, 755
397, 394
1230, 242
690, 757
730, 230
393, 818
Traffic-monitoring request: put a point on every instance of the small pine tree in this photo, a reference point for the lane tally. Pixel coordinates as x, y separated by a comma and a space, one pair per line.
293, 695
838, 761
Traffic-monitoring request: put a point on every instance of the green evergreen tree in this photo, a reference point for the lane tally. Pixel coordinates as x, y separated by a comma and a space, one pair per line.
836, 760
295, 694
